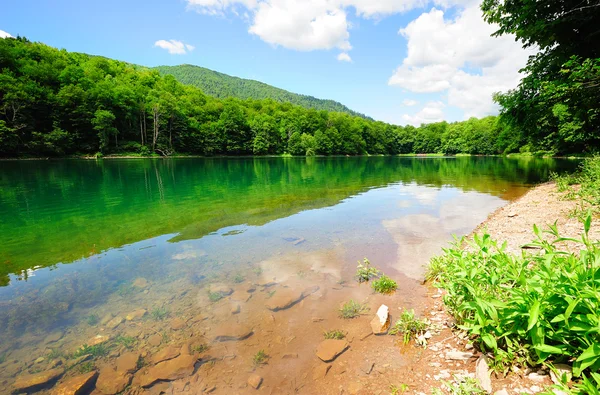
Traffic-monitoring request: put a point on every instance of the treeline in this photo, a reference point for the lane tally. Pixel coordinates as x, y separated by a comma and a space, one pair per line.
223, 86
57, 103
556, 107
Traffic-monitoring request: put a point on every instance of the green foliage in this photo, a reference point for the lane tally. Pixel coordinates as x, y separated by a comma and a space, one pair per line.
384, 285
92, 319
398, 389
59, 103
85, 367
2, 358
215, 296
408, 326
464, 385
200, 348
365, 272
334, 334
587, 179
159, 313
530, 309
55, 353
260, 358
352, 309
238, 278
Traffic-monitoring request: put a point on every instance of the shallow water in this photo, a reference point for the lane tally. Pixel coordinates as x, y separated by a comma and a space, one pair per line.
119, 251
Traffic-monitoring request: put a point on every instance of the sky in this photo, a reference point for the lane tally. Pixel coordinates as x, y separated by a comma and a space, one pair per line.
398, 61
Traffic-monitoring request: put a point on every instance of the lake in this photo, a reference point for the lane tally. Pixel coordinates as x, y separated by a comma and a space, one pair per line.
230, 255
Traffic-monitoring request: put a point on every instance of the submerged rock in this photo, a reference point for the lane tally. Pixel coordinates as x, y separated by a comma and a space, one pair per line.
77, 385
140, 282
233, 333
53, 337
177, 323
128, 362
173, 369
221, 289
321, 371
112, 382
382, 321
255, 381
31, 381
286, 298
155, 340
115, 322
329, 349
165, 354
136, 315
98, 339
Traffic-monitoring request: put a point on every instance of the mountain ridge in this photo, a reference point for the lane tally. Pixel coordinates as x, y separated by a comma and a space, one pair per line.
221, 85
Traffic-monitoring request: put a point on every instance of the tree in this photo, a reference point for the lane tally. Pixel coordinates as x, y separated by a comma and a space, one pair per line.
103, 124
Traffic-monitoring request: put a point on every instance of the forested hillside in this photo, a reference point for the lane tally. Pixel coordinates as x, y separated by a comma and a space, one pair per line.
223, 86
56, 103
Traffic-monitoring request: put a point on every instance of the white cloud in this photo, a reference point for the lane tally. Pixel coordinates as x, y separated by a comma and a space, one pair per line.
344, 57
460, 57
4, 34
409, 102
432, 112
174, 47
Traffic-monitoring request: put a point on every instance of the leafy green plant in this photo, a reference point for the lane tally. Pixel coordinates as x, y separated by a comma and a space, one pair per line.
93, 319
159, 313
352, 309
334, 334
365, 272
200, 348
464, 385
215, 296
409, 326
238, 278
384, 285
398, 389
260, 358
529, 309
270, 294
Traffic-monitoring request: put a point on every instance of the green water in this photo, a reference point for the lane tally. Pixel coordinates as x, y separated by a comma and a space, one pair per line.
61, 211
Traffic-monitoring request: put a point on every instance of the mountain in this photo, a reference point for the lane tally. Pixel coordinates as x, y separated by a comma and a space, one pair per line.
222, 86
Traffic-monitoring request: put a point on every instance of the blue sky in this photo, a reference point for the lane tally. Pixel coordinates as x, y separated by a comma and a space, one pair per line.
411, 61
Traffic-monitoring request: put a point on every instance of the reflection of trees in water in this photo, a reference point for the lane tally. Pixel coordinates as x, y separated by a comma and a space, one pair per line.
56, 211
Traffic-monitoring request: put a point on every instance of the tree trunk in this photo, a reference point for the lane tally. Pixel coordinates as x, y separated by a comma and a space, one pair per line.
156, 116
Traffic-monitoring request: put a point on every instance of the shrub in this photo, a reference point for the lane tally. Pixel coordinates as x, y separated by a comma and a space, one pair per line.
384, 285
528, 309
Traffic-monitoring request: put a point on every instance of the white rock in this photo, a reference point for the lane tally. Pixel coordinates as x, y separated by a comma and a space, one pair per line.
459, 355
382, 321
501, 392
482, 373
536, 377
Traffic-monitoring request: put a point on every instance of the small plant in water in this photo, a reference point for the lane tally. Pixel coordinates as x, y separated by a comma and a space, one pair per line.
125, 290
200, 348
238, 278
260, 358
257, 270
398, 389
215, 296
159, 314
99, 350
125, 341
2, 358
408, 326
55, 353
352, 309
384, 285
141, 362
85, 367
93, 319
334, 334
365, 272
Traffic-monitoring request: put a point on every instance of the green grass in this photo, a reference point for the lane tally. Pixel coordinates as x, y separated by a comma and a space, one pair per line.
200, 348
334, 334
462, 386
398, 389
159, 314
55, 353
352, 309
531, 309
85, 367
97, 351
215, 296
260, 358
408, 326
588, 180
365, 272
384, 285
238, 278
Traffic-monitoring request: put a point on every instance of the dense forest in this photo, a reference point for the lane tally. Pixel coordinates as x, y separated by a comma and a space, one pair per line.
56, 103
556, 107
222, 86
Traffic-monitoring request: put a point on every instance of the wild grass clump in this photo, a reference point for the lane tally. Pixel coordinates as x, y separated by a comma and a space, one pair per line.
96, 351
408, 326
260, 358
334, 334
365, 272
238, 278
352, 309
125, 341
384, 285
92, 319
464, 385
588, 179
529, 309
215, 296
159, 314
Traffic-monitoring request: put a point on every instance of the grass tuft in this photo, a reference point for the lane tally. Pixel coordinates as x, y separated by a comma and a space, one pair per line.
365, 272
409, 326
352, 309
384, 285
334, 334
260, 358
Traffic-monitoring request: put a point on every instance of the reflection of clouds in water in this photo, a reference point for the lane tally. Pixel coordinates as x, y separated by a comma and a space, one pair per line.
421, 236
293, 265
426, 196
189, 252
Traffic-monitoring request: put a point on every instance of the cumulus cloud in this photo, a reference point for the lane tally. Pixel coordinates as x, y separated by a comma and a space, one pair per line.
461, 58
409, 102
344, 57
432, 112
4, 34
174, 47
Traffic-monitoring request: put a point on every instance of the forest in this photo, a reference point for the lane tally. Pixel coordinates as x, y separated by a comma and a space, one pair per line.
57, 103
222, 86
